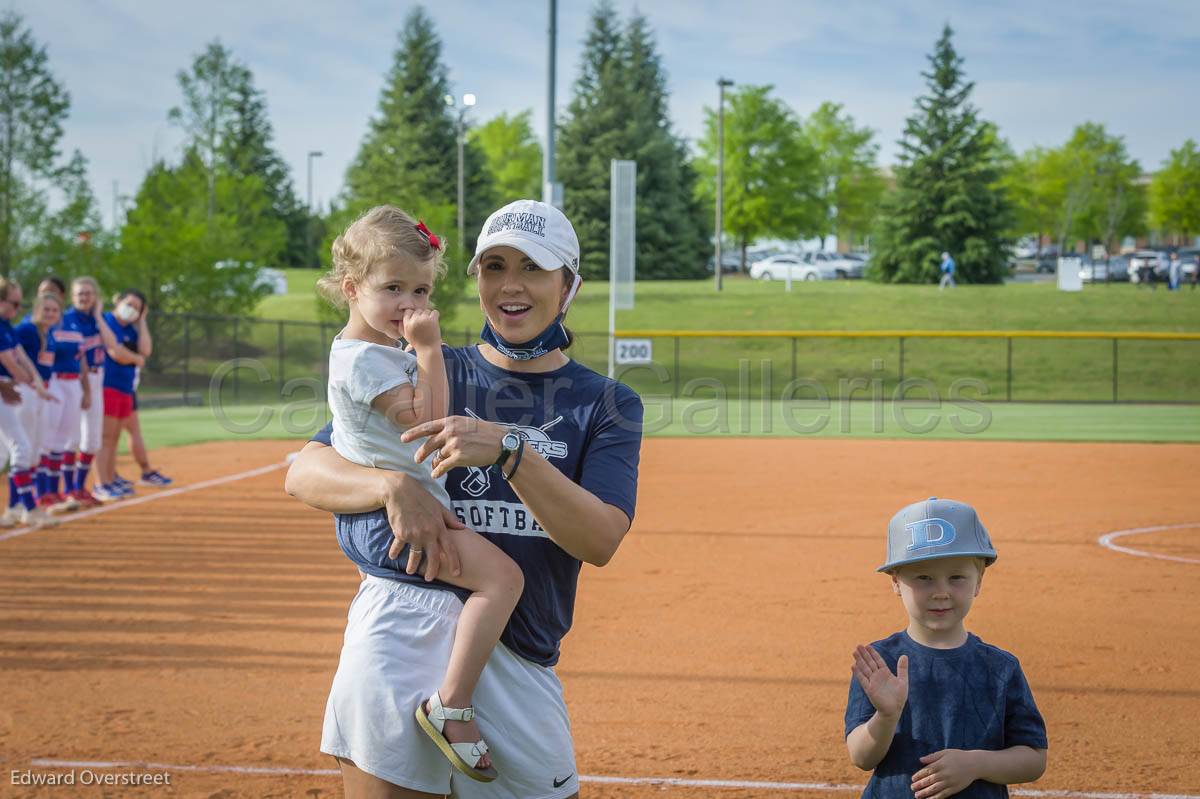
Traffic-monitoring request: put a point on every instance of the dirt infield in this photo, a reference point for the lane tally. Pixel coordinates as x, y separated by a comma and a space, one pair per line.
202, 629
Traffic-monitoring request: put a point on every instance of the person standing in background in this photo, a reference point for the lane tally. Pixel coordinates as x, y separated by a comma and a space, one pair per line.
947, 271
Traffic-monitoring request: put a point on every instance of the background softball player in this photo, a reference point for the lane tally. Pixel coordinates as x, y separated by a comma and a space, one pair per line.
85, 316
15, 367
40, 416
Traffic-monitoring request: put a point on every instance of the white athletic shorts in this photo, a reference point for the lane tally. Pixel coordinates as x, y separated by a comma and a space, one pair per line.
395, 652
66, 432
14, 439
91, 427
51, 416
29, 416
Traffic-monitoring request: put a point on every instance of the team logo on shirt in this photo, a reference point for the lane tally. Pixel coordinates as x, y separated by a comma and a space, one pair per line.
478, 479
930, 533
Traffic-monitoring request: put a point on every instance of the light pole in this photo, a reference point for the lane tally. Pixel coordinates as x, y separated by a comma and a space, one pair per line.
721, 84
468, 100
308, 250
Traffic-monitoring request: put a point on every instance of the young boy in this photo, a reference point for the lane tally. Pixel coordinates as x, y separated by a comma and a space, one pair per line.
933, 710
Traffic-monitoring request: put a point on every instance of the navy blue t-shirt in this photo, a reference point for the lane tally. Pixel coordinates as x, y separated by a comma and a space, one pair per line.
75, 337
972, 697
588, 426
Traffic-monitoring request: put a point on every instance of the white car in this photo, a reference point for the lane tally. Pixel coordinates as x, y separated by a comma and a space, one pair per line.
777, 267
834, 266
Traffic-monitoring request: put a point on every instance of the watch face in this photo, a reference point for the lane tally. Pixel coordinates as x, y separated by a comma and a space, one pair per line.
510, 441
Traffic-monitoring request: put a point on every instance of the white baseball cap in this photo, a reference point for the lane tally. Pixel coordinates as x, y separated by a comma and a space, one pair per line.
539, 230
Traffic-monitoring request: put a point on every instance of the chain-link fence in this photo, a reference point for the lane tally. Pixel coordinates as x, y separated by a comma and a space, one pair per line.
206, 359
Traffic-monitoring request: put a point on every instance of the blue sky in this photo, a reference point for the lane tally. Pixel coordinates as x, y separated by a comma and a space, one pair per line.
1040, 67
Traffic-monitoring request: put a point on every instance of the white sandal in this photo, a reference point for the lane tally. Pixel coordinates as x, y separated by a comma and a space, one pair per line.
463, 756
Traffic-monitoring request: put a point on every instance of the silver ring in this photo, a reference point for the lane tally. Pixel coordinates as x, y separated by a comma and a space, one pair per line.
414, 549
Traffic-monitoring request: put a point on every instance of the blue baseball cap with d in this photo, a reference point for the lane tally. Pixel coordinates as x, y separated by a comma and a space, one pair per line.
936, 528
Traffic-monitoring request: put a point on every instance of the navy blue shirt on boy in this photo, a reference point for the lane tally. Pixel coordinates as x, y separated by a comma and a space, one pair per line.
588, 426
971, 697
117, 375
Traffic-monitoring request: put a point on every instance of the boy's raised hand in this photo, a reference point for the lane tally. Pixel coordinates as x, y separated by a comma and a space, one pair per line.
421, 328
888, 692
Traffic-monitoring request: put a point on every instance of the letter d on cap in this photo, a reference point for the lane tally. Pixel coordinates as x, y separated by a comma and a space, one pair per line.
930, 533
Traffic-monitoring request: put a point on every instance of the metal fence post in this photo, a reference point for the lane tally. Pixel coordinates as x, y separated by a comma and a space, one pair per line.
901, 359
280, 354
1008, 380
675, 371
236, 392
1114, 370
187, 355
793, 360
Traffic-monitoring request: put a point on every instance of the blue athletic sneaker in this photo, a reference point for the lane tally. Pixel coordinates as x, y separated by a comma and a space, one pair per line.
108, 493
156, 479
121, 482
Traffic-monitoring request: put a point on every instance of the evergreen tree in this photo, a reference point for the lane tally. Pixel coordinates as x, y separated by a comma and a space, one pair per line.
948, 195
247, 149
619, 110
409, 159
225, 119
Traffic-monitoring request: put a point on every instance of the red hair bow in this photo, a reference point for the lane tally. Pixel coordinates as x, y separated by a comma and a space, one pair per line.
434, 241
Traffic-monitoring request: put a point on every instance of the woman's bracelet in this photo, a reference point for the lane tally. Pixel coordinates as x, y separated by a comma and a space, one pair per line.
516, 461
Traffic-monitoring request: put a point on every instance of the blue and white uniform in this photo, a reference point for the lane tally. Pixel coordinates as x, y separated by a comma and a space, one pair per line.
400, 628
32, 410
14, 436
91, 361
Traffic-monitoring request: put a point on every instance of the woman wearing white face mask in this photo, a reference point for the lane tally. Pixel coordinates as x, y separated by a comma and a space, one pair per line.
128, 353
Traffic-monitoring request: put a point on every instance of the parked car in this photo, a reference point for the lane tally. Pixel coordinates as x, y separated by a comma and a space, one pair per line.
1190, 257
1047, 260
834, 266
1113, 269
730, 262
777, 267
1150, 264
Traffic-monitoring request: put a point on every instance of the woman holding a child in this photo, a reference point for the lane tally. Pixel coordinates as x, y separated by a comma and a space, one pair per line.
539, 456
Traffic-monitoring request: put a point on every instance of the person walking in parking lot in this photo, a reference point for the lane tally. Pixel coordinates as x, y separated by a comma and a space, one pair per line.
947, 271
1174, 269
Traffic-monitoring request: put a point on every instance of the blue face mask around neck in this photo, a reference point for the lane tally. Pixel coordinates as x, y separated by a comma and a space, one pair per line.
553, 337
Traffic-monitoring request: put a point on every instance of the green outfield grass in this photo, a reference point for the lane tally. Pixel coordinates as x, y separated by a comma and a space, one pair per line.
997, 421
835, 305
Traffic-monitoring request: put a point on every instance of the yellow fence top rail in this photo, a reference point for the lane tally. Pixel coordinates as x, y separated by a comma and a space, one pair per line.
1060, 334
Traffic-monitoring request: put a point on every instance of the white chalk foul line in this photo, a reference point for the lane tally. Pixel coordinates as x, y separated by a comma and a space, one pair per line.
142, 500
1107, 539
678, 782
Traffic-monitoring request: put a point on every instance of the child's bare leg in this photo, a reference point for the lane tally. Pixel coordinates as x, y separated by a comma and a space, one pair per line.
496, 583
137, 444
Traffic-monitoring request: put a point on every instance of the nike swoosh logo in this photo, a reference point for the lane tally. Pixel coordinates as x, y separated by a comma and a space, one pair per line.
563, 781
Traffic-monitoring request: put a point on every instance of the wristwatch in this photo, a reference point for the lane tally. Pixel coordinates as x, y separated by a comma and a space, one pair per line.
508, 445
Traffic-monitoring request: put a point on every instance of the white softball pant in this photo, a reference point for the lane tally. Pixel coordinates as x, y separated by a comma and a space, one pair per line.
29, 415
91, 426
65, 437
14, 439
